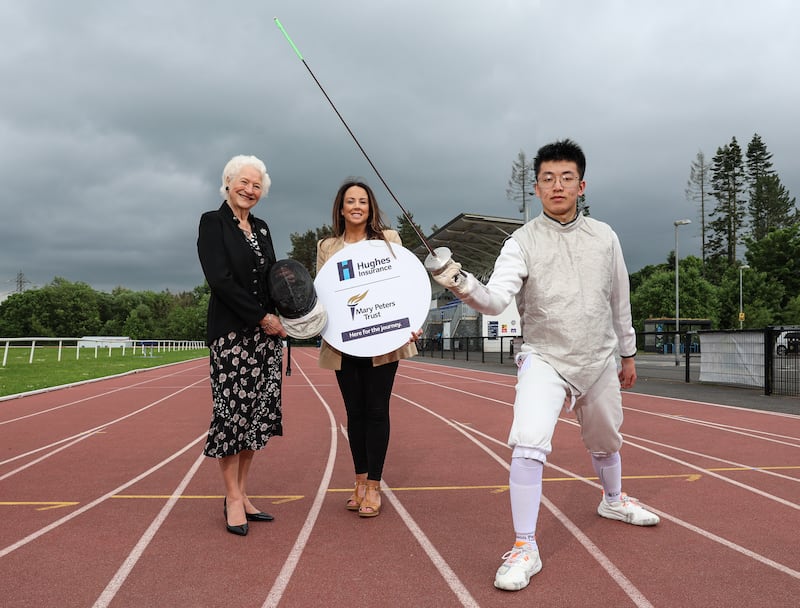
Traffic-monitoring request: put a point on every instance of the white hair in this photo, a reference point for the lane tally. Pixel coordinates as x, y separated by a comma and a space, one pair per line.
235, 166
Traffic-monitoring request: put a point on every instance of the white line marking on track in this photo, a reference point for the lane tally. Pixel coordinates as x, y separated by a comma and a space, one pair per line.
83, 434
636, 596
282, 580
731, 463
52, 526
756, 434
704, 533
100, 379
449, 576
704, 470
119, 578
715, 475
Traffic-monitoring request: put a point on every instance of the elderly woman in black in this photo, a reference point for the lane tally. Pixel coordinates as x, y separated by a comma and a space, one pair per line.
244, 335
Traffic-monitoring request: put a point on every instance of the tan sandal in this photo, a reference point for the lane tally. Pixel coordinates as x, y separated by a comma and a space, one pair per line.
371, 503
354, 502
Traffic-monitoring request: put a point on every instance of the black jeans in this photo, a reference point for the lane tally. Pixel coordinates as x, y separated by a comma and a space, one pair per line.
366, 391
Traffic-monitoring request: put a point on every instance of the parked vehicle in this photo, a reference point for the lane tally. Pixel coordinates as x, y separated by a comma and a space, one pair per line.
787, 343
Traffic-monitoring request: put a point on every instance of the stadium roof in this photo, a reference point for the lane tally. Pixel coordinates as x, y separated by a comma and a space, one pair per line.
475, 241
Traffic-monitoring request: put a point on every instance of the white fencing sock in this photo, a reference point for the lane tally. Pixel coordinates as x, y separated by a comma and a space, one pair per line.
525, 489
609, 469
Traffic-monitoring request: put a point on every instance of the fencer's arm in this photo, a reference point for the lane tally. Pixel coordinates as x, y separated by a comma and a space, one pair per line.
621, 304
506, 281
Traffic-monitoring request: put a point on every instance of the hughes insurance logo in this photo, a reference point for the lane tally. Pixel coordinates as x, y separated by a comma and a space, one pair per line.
346, 270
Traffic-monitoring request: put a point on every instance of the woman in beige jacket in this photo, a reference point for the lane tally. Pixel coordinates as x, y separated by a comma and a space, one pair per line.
365, 382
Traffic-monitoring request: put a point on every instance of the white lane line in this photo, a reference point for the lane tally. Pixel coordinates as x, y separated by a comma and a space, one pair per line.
702, 532
730, 463
636, 596
52, 526
83, 434
289, 566
428, 366
449, 576
719, 405
721, 477
458, 390
703, 470
510, 379
119, 578
752, 433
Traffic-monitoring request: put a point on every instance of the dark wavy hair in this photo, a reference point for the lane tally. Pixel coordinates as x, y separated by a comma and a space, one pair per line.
566, 149
375, 221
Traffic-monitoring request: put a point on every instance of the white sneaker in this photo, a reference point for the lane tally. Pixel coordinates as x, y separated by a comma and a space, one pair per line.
627, 509
520, 564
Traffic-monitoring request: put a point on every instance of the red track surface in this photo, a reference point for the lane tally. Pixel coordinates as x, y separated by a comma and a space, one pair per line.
107, 501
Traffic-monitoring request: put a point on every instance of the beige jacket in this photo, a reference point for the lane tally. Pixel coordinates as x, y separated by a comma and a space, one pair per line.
329, 357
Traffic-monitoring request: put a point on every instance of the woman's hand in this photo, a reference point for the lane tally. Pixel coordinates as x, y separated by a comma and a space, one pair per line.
415, 335
272, 325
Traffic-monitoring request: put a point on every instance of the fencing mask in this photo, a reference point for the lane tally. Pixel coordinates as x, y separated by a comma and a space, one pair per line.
291, 289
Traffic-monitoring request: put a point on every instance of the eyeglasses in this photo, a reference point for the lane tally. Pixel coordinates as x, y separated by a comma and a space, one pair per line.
548, 180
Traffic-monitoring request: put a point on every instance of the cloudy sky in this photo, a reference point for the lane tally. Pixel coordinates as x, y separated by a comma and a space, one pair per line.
116, 118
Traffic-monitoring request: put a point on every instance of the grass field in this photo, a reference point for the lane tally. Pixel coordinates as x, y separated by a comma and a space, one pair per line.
19, 375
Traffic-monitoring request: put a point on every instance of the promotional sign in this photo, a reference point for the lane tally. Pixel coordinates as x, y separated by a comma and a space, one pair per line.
374, 296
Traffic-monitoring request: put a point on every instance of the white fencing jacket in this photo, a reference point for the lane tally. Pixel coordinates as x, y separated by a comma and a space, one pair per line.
572, 292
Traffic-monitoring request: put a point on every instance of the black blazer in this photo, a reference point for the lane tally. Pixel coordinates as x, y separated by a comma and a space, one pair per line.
239, 293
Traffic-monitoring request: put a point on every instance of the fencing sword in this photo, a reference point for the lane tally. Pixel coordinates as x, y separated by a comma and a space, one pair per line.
438, 259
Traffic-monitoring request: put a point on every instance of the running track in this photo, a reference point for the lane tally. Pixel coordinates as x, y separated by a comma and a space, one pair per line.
106, 500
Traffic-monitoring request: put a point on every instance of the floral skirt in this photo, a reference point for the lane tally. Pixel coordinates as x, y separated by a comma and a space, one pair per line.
246, 369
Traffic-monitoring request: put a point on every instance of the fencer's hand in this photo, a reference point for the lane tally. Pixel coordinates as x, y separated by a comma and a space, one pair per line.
450, 277
627, 373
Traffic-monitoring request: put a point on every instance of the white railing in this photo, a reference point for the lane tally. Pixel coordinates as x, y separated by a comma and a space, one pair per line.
142, 346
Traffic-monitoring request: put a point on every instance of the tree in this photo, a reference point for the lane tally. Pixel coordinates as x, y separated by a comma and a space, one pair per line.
70, 310
16, 313
760, 297
727, 182
304, 246
641, 275
138, 325
408, 235
770, 206
791, 314
697, 190
777, 255
520, 185
655, 295
583, 206
62, 309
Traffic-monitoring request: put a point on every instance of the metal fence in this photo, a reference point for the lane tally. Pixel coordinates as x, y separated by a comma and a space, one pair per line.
768, 358
474, 348
96, 347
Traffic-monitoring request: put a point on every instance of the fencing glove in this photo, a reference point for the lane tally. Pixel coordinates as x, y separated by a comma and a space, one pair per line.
453, 278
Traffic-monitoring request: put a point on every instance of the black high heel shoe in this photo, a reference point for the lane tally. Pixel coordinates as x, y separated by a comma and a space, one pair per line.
238, 530
260, 516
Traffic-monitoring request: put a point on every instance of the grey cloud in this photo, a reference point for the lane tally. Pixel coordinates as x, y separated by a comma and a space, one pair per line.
116, 119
